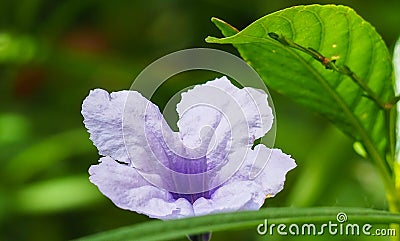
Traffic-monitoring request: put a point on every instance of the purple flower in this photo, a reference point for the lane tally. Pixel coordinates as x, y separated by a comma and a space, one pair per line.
209, 166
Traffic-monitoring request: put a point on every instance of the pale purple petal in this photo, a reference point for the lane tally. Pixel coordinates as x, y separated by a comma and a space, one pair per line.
102, 114
232, 197
226, 118
145, 132
124, 126
210, 105
241, 192
128, 190
253, 102
271, 172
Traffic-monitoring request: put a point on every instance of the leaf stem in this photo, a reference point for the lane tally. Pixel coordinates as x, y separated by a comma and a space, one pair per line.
390, 118
330, 64
391, 192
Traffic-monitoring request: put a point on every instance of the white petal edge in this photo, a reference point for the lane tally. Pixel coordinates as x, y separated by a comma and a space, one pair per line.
102, 113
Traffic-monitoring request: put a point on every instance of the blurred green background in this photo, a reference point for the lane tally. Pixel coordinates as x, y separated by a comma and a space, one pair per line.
53, 52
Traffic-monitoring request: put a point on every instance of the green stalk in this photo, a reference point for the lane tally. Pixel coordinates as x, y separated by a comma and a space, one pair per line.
173, 229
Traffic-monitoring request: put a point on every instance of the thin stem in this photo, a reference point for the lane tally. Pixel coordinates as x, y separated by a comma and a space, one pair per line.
394, 101
391, 192
200, 237
390, 118
331, 64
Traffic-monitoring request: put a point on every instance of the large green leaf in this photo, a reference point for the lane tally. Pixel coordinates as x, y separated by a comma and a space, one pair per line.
169, 230
338, 33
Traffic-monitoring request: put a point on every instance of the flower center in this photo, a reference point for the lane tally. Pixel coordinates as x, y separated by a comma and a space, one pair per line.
192, 197
190, 166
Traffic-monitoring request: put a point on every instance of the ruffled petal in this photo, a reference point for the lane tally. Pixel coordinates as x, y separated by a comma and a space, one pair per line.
266, 167
253, 102
146, 134
127, 127
232, 197
218, 118
241, 191
218, 104
102, 115
127, 189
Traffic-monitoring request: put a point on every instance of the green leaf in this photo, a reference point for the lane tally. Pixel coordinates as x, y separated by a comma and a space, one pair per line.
226, 28
45, 153
338, 33
56, 195
168, 230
